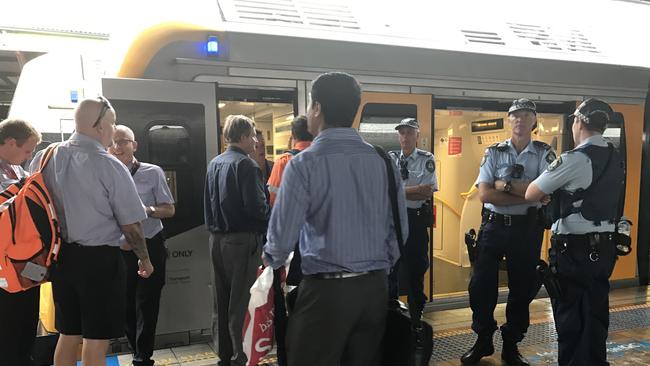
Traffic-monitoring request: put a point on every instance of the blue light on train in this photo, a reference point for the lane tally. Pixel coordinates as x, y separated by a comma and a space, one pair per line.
213, 46
74, 96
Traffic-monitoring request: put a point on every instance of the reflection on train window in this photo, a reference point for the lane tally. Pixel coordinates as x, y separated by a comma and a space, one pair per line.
273, 119
378, 121
169, 147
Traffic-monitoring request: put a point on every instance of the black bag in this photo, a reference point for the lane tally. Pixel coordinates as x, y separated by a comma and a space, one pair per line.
399, 343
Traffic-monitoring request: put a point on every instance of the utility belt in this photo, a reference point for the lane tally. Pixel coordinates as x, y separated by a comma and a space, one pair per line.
531, 218
424, 213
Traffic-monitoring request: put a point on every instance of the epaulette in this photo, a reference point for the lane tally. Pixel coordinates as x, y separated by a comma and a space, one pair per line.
424, 153
500, 146
541, 144
394, 153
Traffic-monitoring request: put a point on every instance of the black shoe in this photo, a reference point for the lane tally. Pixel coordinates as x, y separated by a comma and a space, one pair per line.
511, 356
483, 347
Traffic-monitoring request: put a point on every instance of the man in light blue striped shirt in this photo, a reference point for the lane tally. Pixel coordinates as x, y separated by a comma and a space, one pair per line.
334, 199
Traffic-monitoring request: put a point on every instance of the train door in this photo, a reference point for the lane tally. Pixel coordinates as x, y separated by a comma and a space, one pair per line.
175, 124
378, 115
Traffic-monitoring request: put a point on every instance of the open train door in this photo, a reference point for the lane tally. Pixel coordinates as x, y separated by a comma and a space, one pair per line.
643, 242
175, 125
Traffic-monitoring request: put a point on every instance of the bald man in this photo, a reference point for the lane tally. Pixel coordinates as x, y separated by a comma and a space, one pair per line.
97, 202
143, 294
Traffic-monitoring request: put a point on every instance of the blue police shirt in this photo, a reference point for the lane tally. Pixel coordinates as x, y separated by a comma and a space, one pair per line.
571, 171
93, 192
421, 170
498, 162
334, 197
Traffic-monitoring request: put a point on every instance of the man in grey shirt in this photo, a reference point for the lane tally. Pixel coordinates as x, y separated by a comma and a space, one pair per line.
97, 202
143, 294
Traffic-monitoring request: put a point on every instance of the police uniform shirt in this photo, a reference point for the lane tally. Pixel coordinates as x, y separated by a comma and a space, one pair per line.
6, 178
153, 190
498, 162
571, 171
422, 170
93, 192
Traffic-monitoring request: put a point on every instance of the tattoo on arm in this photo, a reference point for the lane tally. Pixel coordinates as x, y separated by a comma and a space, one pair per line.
135, 237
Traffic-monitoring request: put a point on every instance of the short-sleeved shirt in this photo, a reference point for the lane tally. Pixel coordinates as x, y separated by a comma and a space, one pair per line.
498, 162
570, 171
93, 192
422, 170
281, 162
6, 178
153, 190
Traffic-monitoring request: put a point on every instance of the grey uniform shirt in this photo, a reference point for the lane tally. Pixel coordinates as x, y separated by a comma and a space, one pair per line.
571, 171
497, 165
422, 170
153, 190
93, 192
5, 179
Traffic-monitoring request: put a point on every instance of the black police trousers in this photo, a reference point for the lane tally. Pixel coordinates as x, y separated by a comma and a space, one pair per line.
414, 260
582, 313
143, 300
18, 324
521, 245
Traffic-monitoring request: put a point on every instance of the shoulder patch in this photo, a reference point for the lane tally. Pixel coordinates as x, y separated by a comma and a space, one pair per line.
431, 166
541, 144
556, 163
550, 157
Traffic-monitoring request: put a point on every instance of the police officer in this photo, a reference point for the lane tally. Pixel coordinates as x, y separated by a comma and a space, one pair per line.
96, 202
18, 311
143, 294
587, 183
418, 171
510, 226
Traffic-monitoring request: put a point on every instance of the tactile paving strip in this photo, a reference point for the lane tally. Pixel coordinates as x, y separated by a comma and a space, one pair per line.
450, 345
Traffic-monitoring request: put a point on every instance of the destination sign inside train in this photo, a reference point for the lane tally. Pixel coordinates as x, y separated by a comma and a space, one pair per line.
487, 125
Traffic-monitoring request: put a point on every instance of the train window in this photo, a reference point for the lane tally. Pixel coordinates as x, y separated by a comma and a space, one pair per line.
169, 147
378, 121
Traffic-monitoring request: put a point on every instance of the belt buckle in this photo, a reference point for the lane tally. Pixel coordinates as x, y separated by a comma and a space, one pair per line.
507, 220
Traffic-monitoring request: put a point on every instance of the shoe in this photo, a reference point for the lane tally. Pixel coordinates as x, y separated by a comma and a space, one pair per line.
483, 347
511, 356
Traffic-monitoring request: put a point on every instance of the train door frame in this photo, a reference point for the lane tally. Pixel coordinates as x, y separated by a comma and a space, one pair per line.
186, 303
643, 238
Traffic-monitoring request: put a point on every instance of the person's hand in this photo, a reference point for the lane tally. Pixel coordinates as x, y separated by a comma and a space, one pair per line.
265, 262
145, 268
425, 189
545, 200
500, 185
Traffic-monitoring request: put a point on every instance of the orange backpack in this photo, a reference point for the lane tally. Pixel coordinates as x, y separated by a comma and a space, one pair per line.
29, 231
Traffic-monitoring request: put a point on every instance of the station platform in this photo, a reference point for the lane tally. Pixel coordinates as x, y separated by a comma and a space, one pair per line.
628, 343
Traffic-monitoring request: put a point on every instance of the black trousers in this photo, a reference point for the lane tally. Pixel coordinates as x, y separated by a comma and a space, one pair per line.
143, 300
582, 314
414, 260
338, 321
521, 245
18, 324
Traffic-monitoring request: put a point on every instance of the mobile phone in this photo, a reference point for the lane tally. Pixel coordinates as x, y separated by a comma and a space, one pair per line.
34, 272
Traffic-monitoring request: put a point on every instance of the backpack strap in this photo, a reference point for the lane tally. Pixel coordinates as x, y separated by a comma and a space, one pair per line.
47, 155
392, 193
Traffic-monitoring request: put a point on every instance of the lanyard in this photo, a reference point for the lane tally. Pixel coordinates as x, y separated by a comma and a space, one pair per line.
135, 166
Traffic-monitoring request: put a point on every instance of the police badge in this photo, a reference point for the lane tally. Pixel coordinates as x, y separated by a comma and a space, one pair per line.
556, 163
431, 166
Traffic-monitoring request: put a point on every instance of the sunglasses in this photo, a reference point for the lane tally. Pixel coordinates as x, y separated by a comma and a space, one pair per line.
102, 112
403, 169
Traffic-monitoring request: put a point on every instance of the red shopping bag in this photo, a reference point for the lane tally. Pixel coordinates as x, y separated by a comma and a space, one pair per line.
258, 328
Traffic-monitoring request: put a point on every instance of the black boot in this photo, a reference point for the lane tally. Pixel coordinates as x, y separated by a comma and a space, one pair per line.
511, 356
483, 347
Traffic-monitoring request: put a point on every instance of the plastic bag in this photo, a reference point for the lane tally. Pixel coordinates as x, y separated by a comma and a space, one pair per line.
258, 328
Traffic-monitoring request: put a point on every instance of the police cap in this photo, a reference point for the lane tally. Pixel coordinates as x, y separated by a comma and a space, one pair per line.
522, 103
593, 111
408, 122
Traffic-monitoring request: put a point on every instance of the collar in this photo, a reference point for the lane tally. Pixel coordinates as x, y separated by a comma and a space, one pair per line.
80, 139
338, 133
597, 140
301, 145
529, 148
410, 157
237, 149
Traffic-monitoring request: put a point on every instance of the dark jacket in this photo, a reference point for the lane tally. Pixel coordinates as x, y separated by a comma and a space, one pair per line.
234, 194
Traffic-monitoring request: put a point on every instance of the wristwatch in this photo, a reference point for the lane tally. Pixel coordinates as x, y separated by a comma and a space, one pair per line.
152, 210
507, 187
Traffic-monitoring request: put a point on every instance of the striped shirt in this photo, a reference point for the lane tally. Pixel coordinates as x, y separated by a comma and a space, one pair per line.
334, 199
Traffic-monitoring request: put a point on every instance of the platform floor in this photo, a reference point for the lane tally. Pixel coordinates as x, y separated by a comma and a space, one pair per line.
628, 343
